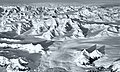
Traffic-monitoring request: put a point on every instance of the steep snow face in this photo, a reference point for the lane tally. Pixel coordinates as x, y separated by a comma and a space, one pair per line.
83, 58
116, 66
47, 35
85, 12
19, 28
96, 53
4, 61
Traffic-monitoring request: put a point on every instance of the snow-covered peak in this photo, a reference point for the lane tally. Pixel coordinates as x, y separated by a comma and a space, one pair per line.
96, 53
84, 52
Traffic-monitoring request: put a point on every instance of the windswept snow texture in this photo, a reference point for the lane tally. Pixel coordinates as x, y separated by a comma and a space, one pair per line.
59, 38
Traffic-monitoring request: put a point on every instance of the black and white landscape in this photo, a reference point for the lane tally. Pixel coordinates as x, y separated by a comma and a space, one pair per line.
49, 37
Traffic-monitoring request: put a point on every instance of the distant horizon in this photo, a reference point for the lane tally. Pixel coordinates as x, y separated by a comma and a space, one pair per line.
60, 1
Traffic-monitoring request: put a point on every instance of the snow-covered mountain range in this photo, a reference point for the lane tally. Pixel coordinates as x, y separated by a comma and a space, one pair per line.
59, 23
27, 32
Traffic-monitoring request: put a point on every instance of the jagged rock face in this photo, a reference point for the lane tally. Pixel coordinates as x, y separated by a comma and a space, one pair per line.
93, 21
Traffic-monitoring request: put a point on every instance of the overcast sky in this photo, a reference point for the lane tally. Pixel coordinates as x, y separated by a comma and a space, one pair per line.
63, 1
